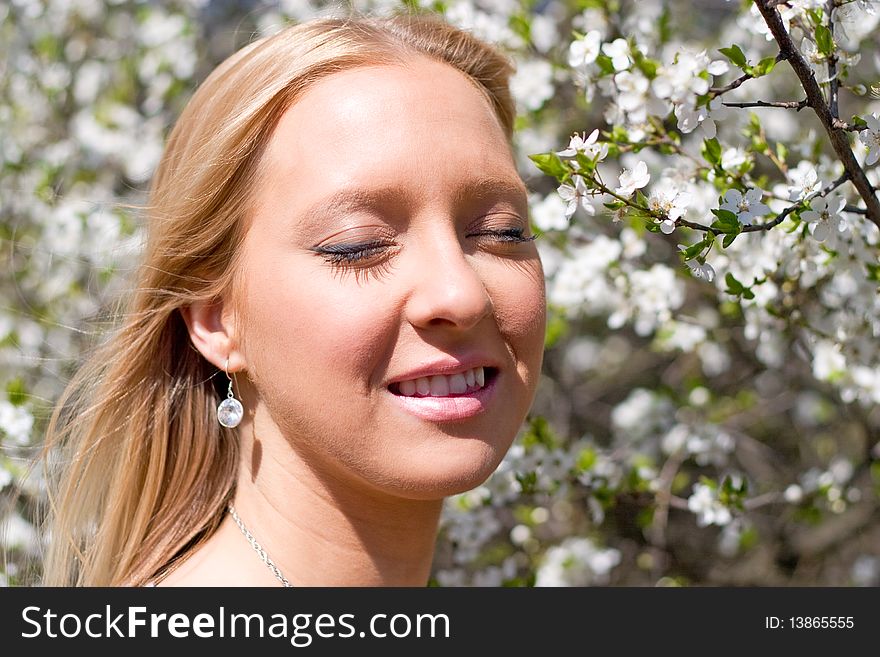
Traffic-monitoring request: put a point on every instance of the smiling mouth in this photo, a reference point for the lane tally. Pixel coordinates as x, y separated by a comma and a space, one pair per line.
461, 384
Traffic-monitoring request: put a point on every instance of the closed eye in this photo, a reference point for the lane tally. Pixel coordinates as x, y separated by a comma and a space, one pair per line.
348, 253
364, 258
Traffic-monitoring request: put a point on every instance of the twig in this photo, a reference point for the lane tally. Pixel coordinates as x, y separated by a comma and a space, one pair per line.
839, 140
778, 219
663, 498
785, 104
717, 91
763, 500
847, 127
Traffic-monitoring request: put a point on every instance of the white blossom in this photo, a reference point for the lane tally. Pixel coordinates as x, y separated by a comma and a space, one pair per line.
817, 60
633, 179
583, 52
586, 145
16, 422
576, 562
667, 199
701, 270
574, 195
532, 84
823, 216
828, 361
618, 51
709, 510
745, 206
733, 158
805, 181
793, 494
549, 213
870, 137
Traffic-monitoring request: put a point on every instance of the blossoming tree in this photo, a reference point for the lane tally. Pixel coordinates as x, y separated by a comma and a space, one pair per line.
704, 188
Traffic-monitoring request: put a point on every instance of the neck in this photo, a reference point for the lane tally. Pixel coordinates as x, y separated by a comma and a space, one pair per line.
325, 530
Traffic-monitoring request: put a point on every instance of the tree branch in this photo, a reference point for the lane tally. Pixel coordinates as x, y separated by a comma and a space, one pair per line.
663, 498
839, 140
778, 219
717, 91
785, 104
832, 65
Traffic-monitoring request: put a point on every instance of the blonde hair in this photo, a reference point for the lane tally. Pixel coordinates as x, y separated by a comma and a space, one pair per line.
139, 470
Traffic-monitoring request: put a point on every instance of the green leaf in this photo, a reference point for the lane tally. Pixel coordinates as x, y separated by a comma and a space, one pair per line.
664, 27
605, 65
557, 327
824, 40
735, 55
587, 166
551, 164
727, 221
781, 151
539, 433
694, 250
712, 151
735, 288
16, 392
728, 239
733, 285
619, 133
645, 65
586, 459
764, 66
521, 25
858, 121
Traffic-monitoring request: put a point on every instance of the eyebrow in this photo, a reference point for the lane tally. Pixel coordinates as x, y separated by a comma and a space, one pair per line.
354, 199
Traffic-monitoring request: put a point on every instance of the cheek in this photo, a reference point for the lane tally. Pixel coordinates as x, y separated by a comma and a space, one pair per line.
520, 310
315, 335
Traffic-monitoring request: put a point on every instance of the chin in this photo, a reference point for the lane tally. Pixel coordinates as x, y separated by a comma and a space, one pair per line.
449, 470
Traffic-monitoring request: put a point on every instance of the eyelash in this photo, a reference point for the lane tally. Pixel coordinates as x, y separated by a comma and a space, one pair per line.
347, 257
505, 235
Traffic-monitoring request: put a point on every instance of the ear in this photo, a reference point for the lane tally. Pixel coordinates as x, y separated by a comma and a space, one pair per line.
212, 332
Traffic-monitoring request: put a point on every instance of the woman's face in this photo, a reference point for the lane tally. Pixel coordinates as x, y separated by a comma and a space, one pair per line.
393, 307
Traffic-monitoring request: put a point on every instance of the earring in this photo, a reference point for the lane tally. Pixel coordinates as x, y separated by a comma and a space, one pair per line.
230, 411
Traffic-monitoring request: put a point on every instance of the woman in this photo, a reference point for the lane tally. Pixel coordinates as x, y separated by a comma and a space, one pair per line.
338, 241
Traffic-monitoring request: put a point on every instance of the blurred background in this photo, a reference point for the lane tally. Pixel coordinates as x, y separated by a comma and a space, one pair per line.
682, 436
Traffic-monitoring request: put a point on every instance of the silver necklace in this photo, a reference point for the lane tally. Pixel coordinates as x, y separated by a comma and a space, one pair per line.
258, 548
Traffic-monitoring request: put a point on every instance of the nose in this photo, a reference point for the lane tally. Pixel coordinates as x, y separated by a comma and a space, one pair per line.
445, 287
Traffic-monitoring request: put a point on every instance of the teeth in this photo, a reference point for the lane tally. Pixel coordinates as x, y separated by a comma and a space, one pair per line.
439, 386
443, 386
470, 378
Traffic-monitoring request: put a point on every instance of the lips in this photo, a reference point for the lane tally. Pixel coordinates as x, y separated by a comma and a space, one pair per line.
449, 388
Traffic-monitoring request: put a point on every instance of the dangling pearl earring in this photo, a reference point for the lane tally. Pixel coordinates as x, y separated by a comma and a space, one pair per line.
230, 411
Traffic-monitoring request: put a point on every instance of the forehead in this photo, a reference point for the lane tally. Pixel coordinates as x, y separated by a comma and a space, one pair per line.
422, 122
